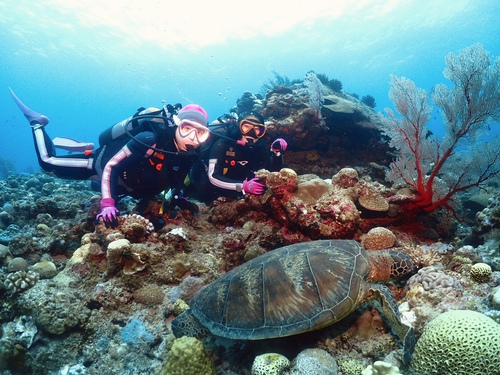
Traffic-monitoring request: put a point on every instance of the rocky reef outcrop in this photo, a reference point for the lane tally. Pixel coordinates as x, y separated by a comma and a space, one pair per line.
340, 131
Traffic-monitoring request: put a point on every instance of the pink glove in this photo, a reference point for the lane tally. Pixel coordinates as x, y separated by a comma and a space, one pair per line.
109, 213
278, 146
254, 186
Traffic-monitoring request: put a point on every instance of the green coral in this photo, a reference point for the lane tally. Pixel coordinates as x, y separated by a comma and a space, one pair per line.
188, 357
269, 364
458, 342
350, 366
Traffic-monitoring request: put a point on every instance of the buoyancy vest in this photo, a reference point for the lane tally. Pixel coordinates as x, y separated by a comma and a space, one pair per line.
117, 136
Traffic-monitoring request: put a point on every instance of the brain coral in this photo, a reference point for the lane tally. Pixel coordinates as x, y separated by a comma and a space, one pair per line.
458, 342
378, 238
433, 278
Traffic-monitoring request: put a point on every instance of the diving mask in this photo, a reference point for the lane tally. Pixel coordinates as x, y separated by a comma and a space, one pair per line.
191, 133
251, 127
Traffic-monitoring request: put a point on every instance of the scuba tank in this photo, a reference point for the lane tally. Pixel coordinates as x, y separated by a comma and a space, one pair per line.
115, 131
166, 115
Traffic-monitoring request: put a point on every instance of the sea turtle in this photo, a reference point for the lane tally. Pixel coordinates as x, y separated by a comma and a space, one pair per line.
295, 289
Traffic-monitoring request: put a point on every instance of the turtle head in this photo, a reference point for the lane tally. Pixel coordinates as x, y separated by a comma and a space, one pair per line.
387, 265
186, 324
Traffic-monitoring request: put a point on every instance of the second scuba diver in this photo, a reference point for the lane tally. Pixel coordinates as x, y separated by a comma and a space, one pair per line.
236, 155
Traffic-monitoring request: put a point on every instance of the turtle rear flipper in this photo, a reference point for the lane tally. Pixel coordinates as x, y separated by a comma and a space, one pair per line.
391, 312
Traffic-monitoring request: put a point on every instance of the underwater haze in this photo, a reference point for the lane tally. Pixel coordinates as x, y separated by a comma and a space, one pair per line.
89, 64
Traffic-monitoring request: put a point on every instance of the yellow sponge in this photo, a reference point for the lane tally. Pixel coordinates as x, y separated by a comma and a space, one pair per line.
187, 357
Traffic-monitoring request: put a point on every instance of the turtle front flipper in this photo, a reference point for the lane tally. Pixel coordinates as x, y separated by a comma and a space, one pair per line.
186, 324
409, 342
391, 312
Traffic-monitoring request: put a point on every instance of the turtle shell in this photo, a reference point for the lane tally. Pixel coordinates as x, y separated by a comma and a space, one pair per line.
293, 289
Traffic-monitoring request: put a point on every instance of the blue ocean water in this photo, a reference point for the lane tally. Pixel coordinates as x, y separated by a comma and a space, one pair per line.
89, 64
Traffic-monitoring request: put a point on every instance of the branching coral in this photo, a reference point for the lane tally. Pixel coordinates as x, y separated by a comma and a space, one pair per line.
437, 169
421, 256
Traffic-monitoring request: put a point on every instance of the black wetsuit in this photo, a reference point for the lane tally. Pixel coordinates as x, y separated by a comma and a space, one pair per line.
234, 163
140, 172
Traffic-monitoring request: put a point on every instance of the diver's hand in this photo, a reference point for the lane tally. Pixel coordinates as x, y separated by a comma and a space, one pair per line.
254, 186
109, 213
178, 200
184, 204
279, 146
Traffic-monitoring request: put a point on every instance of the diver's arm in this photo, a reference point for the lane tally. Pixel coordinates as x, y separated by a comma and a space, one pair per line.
219, 181
109, 178
129, 154
275, 162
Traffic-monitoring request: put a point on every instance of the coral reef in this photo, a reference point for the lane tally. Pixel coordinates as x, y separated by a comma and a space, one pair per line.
458, 342
132, 276
343, 132
104, 298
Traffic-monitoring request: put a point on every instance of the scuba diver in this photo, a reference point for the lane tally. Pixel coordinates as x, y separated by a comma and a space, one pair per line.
236, 155
141, 156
